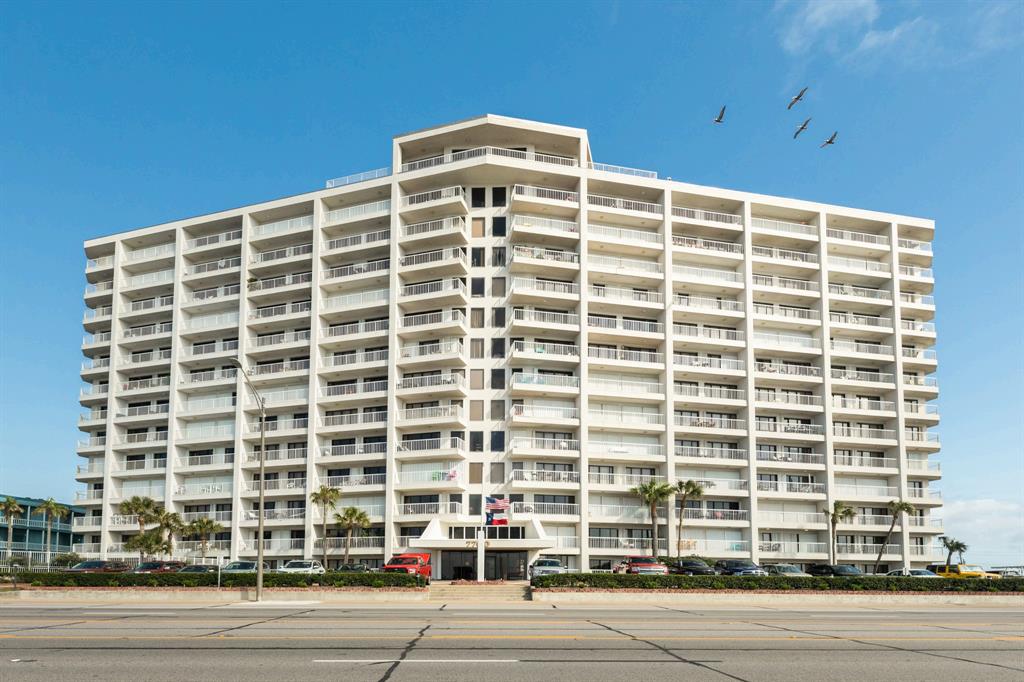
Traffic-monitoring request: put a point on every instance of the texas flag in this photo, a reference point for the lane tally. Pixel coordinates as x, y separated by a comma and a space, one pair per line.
496, 507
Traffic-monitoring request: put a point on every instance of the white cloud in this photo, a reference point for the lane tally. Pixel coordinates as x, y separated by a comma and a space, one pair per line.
992, 529
826, 23
909, 43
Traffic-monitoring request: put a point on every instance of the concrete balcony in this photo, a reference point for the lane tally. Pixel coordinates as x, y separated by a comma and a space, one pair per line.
627, 270
700, 365
544, 230
626, 390
228, 239
440, 415
542, 415
450, 322
619, 545
368, 420
353, 333
529, 320
711, 426
635, 421
446, 384
358, 483
710, 456
700, 216
544, 479
353, 392
355, 452
430, 448
490, 155
796, 489
434, 203
275, 486
541, 291
360, 301
538, 384
193, 435
713, 279
793, 550
542, 353
355, 243
444, 231
450, 261
614, 359
620, 482
427, 511
863, 435
546, 200
440, 479
862, 379
709, 307
866, 492
526, 447
442, 292
699, 336
861, 350
544, 261
449, 353
786, 286
545, 511
776, 459
368, 272
279, 228
797, 520
345, 215
783, 227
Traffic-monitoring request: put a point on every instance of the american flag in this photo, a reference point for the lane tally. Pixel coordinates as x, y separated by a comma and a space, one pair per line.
496, 508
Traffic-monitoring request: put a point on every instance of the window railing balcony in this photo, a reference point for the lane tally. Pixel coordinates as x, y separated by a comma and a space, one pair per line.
920, 409
548, 508
626, 417
784, 311
211, 433
431, 445
279, 367
483, 152
148, 464
867, 549
357, 212
441, 317
924, 494
214, 293
283, 281
358, 300
441, 475
917, 326
872, 404
261, 257
859, 237
598, 231
914, 271
709, 452
625, 324
702, 244
544, 476
354, 389
624, 204
281, 338
768, 519
796, 428
790, 457
707, 303
451, 224
714, 333
89, 494
625, 543
436, 381
222, 458
278, 425
151, 304
694, 514
86, 548
275, 514
603, 292
786, 341
627, 480
93, 442
846, 490
95, 391
559, 444
550, 193
617, 387
859, 292
545, 286
687, 213
94, 416
210, 240
622, 170
368, 327
923, 381
97, 314
277, 396
545, 412
354, 269
569, 350
354, 542
212, 321
914, 245
790, 283
147, 356
787, 398
207, 404
95, 363
791, 548
862, 320
436, 287
99, 263
788, 255
860, 264
436, 256
87, 522
283, 226
346, 359
861, 347
623, 511
529, 222
859, 375
784, 226
149, 279
915, 436
625, 265
159, 251
613, 449
144, 410
149, 330
544, 317
143, 384
697, 422
454, 192
863, 460
705, 362
209, 375
434, 412
97, 338
279, 310
624, 355
214, 266
355, 240
355, 449
356, 480
429, 508
428, 350
274, 484
689, 271
278, 455
793, 487
359, 177
917, 299
99, 287
520, 252
842, 431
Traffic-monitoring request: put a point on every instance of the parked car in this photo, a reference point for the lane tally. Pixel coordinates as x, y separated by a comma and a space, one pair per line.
199, 568
414, 563
913, 573
159, 567
303, 566
829, 570
243, 567
641, 565
99, 566
786, 570
962, 571
353, 568
546, 567
691, 567
739, 567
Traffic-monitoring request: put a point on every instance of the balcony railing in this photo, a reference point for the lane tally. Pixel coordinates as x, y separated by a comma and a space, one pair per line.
455, 224
622, 170
702, 244
559, 444
367, 327
686, 212
627, 417
150, 278
434, 381
914, 271
625, 324
210, 240
696, 422
355, 449
616, 387
354, 240
623, 543
356, 480
483, 152
543, 348
149, 330
715, 514
214, 293
784, 226
707, 303
545, 412
416, 351
354, 269
777, 340
158, 251
222, 458
212, 321
436, 287
354, 389
429, 445
279, 425
454, 192
280, 254
279, 367
689, 271
347, 213
213, 266
710, 452
625, 265
277, 455
434, 412
529, 222
715, 333
219, 432
544, 476
859, 237
862, 320
143, 384
283, 226
791, 548
545, 286
151, 303
842, 431
860, 375
787, 398
778, 282
859, 292
544, 317
845, 490
790, 457
275, 484
99, 287
429, 508
864, 460
280, 338
436, 256
346, 359
624, 355
612, 449
543, 254
358, 177
595, 230
705, 362
99, 263
550, 508
769, 519
788, 255
441, 317
861, 347
624, 204
272, 283
795, 487
293, 308
627, 480
858, 264
209, 375
867, 549
531, 192
357, 300
603, 292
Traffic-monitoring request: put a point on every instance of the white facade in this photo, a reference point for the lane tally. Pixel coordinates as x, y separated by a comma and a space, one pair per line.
500, 316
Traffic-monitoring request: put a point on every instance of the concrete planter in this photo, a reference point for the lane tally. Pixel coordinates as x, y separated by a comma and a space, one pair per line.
789, 599
327, 595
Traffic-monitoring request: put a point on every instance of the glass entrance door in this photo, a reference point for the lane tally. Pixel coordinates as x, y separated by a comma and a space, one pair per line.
505, 566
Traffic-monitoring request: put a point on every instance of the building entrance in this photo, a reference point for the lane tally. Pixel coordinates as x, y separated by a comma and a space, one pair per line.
459, 565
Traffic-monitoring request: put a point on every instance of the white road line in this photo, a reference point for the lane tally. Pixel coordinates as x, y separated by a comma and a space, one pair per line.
404, 661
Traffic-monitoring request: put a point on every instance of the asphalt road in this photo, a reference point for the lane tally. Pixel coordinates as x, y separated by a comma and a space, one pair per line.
536, 642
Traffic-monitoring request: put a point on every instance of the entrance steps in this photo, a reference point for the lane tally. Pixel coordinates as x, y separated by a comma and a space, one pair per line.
490, 592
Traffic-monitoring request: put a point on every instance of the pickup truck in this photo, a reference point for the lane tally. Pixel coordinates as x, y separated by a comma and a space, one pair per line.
414, 563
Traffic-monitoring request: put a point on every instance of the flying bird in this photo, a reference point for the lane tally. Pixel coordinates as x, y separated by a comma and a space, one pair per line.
720, 117
796, 99
830, 140
803, 127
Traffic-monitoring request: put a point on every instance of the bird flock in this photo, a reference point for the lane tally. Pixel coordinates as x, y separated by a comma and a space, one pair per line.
799, 129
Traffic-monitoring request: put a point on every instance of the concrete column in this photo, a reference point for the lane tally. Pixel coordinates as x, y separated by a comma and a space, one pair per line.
241, 392
749, 362
315, 363
897, 346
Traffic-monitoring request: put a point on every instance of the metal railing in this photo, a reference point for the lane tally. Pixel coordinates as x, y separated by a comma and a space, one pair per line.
356, 480
707, 303
548, 255
346, 213
862, 320
366, 327
624, 355
165, 301
551, 193
544, 476
705, 362
708, 452
625, 265
702, 244
788, 255
778, 282
697, 422
280, 338
429, 445
354, 240
558, 444
686, 212
210, 240
283, 226
149, 278
158, 251
433, 381
790, 457
528, 222
148, 330
483, 152
860, 375
860, 264
627, 417
415, 351
783, 226
355, 358
357, 300
622, 170
429, 508
859, 237
260, 257
549, 508
356, 449
625, 324
609, 449
544, 317
545, 285
354, 388
455, 224
454, 192
717, 333
214, 292
544, 412
435, 287
434, 412
358, 177
689, 271
700, 514
624, 204
861, 347
435, 256
214, 265
623, 233
798, 428
272, 283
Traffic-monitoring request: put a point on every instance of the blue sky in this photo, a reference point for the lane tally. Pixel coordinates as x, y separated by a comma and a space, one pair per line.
117, 116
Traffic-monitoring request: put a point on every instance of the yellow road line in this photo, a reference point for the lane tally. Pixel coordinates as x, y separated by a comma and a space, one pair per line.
744, 638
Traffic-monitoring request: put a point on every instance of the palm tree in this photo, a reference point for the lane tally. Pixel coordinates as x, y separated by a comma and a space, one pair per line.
325, 496
144, 510
50, 509
896, 509
952, 545
841, 513
169, 522
11, 509
653, 493
148, 542
203, 528
350, 519
685, 490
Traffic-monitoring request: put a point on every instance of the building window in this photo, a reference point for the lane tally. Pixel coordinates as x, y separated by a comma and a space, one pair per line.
497, 410
476, 286
498, 350
498, 374
476, 410
497, 468
476, 348
478, 256
476, 379
498, 225
498, 196
498, 286
478, 197
498, 256
478, 227
476, 318
476, 441
499, 318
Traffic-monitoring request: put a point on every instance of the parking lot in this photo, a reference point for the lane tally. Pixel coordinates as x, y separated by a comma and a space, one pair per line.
528, 641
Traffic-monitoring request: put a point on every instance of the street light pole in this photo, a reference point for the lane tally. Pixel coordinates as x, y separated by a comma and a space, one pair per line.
261, 404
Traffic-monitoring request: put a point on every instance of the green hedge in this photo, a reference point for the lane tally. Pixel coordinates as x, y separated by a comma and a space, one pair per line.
210, 580
620, 581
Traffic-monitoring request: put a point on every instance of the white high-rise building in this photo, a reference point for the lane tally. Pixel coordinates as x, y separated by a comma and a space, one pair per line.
497, 315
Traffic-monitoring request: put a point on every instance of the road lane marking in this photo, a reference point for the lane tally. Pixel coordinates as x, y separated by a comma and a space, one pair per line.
741, 638
419, 660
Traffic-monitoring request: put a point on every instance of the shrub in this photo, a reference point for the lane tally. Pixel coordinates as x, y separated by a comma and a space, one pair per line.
68, 559
620, 581
293, 580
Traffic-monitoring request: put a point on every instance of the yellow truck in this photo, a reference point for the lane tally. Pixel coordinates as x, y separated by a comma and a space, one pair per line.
962, 571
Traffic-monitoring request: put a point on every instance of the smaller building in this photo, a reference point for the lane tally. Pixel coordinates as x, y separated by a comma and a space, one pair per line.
30, 530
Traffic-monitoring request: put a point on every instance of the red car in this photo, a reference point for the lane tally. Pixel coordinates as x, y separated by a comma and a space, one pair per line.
99, 566
159, 567
413, 563
642, 565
